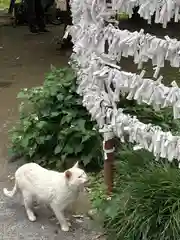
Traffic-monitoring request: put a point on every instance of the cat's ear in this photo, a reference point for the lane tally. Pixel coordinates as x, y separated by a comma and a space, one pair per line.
68, 174
76, 165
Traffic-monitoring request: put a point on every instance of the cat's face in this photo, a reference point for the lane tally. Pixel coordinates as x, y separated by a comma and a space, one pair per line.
76, 176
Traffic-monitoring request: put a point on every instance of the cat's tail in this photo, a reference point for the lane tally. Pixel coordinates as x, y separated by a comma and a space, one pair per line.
10, 194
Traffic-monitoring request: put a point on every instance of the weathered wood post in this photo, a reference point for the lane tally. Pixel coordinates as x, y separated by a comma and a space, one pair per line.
108, 143
109, 148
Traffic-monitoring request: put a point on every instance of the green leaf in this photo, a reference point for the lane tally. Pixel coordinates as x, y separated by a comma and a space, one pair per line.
25, 142
85, 138
112, 210
60, 97
55, 114
81, 124
66, 119
57, 149
78, 148
86, 159
32, 150
68, 149
69, 98
41, 124
48, 137
22, 94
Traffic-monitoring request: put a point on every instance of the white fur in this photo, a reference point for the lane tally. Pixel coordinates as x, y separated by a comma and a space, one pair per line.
56, 189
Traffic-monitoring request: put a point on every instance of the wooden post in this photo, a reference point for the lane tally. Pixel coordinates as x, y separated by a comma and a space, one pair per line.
108, 146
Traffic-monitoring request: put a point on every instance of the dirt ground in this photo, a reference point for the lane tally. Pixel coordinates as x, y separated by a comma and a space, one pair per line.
24, 59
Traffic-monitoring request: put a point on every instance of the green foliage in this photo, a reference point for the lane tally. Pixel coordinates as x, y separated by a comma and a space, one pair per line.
147, 114
54, 125
146, 201
97, 188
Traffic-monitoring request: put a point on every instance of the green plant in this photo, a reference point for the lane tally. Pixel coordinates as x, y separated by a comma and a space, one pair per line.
147, 114
146, 200
142, 187
97, 189
54, 126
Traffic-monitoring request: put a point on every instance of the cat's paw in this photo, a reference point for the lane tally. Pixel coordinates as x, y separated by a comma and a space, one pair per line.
32, 217
65, 228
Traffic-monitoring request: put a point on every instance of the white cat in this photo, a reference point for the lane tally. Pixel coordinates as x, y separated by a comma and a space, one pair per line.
58, 190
